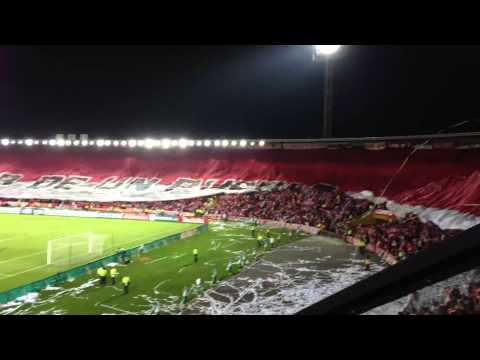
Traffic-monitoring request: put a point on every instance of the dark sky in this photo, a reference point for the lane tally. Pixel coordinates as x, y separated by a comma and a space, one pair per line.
234, 91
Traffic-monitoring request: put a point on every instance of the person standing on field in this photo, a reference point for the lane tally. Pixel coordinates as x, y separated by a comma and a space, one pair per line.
126, 284
113, 274
195, 255
102, 274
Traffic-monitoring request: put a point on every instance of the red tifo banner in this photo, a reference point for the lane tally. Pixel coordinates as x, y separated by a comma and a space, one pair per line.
444, 178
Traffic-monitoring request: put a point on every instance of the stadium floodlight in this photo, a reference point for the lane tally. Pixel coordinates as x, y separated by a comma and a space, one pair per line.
68, 142
166, 143
252, 143
243, 143
191, 143
20, 142
108, 142
207, 143
199, 143
326, 50
91, 143
217, 143
225, 143
52, 142
116, 143
44, 142
174, 143
149, 143
123, 143
262, 143
12, 142
141, 143
100, 143
183, 143
76, 142
132, 143
36, 142
84, 142
61, 142
234, 143
5, 142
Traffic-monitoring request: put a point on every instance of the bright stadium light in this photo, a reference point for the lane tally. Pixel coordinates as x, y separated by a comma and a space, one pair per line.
141, 143
191, 143
100, 143
234, 143
52, 142
91, 143
261, 143
108, 142
12, 142
5, 142
132, 143
123, 143
20, 142
243, 143
217, 143
225, 143
68, 142
76, 142
36, 142
84, 142
61, 142
166, 143
115, 143
174, 143
149, 143
207, 143
29, 142
199, 143
252, 143
183, 143
44, 142
326, 50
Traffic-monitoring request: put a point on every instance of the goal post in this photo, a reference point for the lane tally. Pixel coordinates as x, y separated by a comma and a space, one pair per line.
75, 248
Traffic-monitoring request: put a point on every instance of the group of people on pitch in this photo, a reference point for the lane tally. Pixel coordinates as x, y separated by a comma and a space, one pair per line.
103, 273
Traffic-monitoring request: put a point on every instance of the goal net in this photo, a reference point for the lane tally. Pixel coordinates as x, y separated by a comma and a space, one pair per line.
75, 248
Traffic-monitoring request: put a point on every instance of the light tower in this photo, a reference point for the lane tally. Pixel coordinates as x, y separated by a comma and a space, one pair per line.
326, 52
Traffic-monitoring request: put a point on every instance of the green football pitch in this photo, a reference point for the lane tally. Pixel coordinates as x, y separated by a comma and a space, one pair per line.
24, 241
158, 277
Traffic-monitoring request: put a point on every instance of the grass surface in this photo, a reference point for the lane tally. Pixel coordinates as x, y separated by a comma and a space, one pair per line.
24, 239
158, 277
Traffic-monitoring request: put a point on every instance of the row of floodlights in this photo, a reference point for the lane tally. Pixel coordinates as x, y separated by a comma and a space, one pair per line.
147, 143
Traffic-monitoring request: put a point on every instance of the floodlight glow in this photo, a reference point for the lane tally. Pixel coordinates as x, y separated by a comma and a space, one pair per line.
91, 143
252, 143
52, 142
108, 142
132, 143
20, 142
157, 143
225, 143
217, 143
141, 143
68, 142
123, 143
116, 143
174, 143
76, 142
44, 142
261, 143
326, 49
183, 143
5, 142
243, 143
36, 142
149, 143
207, 143
84, 142
166, 143
12, 142
191, 143
234, 143
199, 143
100, 143
60, 142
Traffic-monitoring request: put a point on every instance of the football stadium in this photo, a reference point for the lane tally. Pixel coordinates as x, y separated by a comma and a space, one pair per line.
223, 226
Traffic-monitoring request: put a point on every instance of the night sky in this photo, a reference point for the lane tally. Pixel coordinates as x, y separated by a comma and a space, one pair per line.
234, 91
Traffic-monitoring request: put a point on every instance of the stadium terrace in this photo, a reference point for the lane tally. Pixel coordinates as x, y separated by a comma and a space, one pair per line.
381, 197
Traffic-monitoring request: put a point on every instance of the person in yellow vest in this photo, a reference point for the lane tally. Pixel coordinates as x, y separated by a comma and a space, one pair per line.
367, 264
260, 240
102, 274
126, 284
195, 255
114, 274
